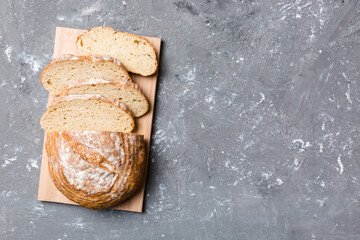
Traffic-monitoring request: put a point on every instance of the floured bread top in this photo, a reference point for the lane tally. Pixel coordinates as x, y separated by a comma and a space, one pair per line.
95, 169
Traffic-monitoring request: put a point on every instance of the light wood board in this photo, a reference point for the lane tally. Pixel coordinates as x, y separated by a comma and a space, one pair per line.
65, 44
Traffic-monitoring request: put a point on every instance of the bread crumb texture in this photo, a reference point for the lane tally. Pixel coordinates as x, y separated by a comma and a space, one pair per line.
134, 52
59, 74
92, 114
126, 92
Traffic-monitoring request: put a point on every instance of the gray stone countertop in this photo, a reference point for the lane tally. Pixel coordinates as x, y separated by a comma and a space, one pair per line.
256, 130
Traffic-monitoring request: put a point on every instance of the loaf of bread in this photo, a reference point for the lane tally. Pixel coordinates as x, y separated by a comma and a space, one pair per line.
96, 169
87, 113
135, 52
124, 91
66, 69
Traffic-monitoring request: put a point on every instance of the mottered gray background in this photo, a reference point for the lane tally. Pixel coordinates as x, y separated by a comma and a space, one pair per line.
257, 120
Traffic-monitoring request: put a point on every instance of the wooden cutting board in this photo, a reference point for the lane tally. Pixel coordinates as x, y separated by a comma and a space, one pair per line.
65, 44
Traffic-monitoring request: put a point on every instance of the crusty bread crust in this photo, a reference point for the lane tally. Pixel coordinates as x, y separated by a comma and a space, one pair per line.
89, 58
97, 170
124, 33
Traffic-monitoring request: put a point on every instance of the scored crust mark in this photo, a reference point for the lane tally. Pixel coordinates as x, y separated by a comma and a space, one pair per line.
87, 153
126, 92
135, 52
64, 70
87, 112
96, 169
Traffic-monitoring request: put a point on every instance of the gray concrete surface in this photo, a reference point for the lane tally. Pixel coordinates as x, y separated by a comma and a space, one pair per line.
257, 126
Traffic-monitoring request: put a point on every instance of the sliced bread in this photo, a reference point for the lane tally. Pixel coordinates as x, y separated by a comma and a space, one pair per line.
126, 92
135, 52
87, 113
66, 69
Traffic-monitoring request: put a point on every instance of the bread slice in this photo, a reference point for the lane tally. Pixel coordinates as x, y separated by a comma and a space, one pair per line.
63, 70
126, 92
135, 52
87, 113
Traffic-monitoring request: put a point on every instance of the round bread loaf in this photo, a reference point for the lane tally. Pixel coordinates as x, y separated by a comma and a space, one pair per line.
96, 169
